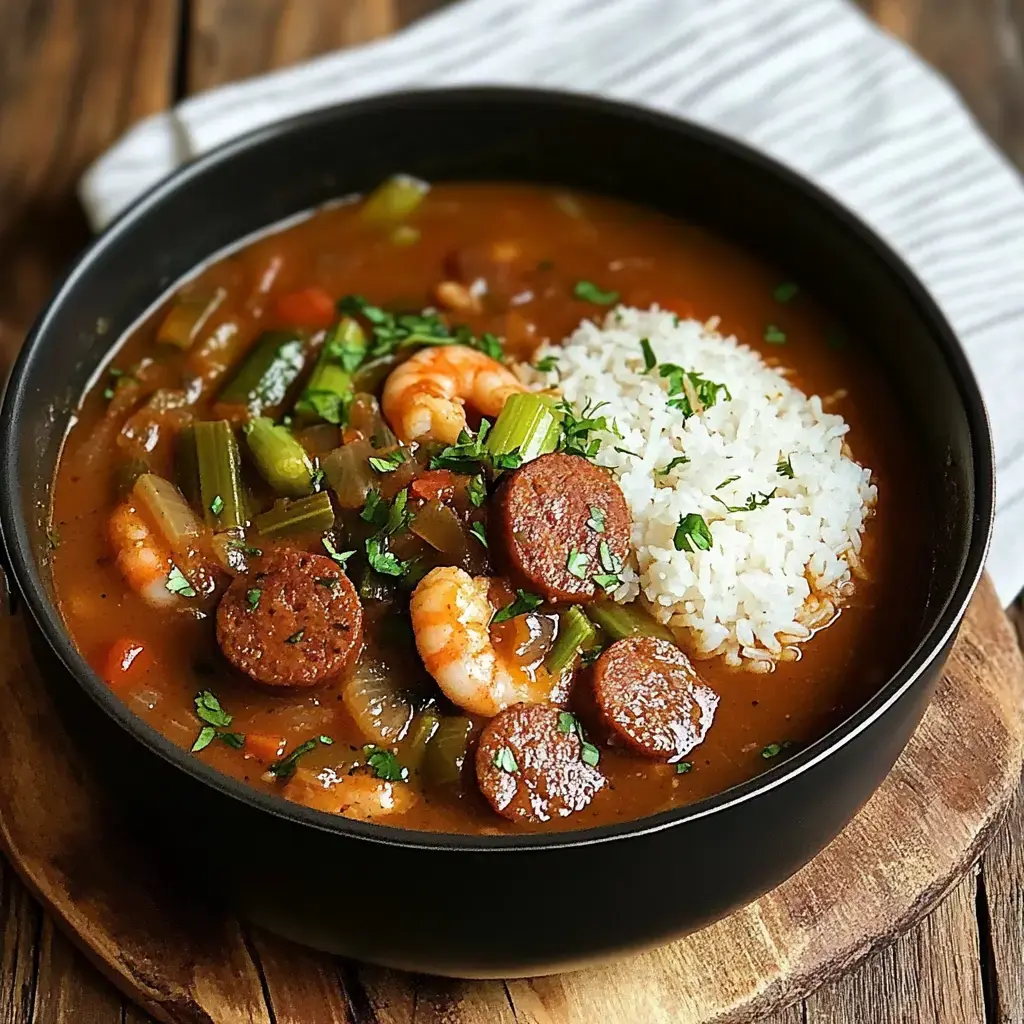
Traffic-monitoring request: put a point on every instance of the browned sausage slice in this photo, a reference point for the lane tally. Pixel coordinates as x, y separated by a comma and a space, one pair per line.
561, 521
296, 621
529, 769
650, 694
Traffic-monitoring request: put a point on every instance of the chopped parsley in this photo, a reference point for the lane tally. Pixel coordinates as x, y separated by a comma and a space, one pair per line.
469, 455
650, 360
685, 385
178, 584
398, 514
480, 532
774, 335
589, 292
682, 767
692, 534
576, 430
208, 710
505, 761
385, 765
296, 637
568, 723
341, 557
786, 292
384, 561
317, 478
753, 502
206, 736
387, 463
489, 344
771, 750
285, 768
610, 579
524, 602
326, 405
598, 519
577, 563
476, 489
53, 538
679, 460
217, 505
728, 480
591, 654
785, 467
374, 511
232, 739
546, 365
325, 740
252, 597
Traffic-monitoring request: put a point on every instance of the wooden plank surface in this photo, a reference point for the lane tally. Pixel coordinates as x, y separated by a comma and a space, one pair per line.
75, 73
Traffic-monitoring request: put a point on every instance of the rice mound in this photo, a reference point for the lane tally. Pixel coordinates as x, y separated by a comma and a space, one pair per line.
773, 574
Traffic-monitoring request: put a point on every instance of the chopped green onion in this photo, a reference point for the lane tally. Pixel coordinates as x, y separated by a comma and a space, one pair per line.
589, 292
281, 460
328, 393
574, 634
692, 534
220, 474
524, 602
264, 379
774, 335
527, 425
312, 514
622, 620
393, 200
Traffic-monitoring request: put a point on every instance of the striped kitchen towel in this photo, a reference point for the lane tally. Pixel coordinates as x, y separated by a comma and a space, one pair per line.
811, 82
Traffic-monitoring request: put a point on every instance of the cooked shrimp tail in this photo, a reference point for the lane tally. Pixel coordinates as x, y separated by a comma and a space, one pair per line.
425, 397
141, 558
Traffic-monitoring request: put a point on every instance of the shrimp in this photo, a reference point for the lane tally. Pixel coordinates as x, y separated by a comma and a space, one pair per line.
141, 559
424, 398
354, 795
451, 613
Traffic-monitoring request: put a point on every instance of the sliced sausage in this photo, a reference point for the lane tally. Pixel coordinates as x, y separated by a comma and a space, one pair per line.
531, 770
295, 621
560, 522
649, 693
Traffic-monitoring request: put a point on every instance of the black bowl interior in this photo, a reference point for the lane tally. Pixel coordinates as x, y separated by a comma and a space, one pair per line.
514, 135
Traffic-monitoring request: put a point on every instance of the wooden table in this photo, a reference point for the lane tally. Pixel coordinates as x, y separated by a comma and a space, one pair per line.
75, 73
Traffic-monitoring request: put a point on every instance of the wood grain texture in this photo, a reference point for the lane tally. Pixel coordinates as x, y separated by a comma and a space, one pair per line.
185, 961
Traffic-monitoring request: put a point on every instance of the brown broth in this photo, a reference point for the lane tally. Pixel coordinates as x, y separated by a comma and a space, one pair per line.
646, 258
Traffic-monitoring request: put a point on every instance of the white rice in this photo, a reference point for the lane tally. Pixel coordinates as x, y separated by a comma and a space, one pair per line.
773, 574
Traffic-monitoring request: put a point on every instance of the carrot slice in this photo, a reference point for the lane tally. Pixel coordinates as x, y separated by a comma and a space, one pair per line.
265, 747
435, 485
125, 655
310, 307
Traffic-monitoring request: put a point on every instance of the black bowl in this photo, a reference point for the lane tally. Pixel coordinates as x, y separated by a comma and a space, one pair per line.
489, 906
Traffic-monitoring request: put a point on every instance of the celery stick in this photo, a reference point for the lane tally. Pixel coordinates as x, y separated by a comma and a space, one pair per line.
329, 390
575, 633
220, 475
527, 424
620, 621
268, 372
313, 514
394, 199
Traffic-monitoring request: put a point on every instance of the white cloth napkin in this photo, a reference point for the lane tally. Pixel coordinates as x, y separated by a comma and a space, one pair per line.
811, 82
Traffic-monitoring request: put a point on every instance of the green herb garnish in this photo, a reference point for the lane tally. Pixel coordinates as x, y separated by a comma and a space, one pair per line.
576, 430
206, 736
786, 292
295, 637
589, 292
382, 560
476, 489
577, 563
505, 760
771, 750
774, 335
568, 723
679, 460
692, 534
752, 502
524, 602
341, 557
682, 767
546, 365
650, 360
178, 584
387, 463
480, 532
598, 519
374, 510
728, 480
385, 764
785, 467
285, 768
328, 582
253, 596
217, 505
707, 392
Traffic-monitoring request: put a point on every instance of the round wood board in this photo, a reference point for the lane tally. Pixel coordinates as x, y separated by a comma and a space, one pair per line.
186, 963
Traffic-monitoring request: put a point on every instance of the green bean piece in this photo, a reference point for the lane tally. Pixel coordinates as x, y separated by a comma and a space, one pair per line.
328, 392
313, 514
575, 633
620, 621
446, 751
421, 732
220, 475
394, 199
268, 372
281, 460
527, 424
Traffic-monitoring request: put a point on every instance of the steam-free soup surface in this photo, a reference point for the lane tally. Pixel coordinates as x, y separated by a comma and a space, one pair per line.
531, 247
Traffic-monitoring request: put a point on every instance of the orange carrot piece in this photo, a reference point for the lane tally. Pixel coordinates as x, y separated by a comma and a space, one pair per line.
310, 307
435, 485
265, 747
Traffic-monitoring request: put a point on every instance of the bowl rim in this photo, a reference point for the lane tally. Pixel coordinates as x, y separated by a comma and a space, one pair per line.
25, 577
